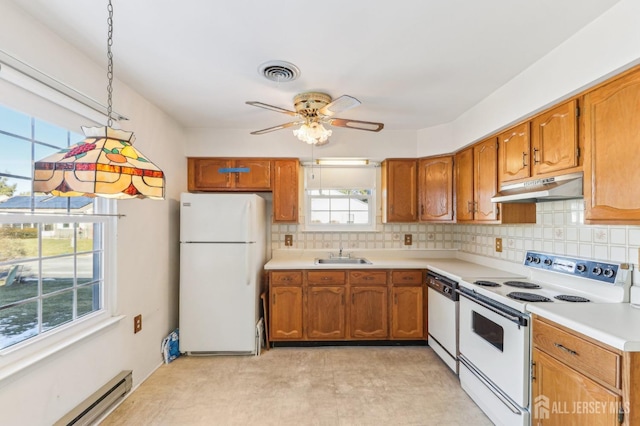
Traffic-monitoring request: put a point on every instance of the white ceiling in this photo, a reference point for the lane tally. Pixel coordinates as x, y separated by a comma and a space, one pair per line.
412, 63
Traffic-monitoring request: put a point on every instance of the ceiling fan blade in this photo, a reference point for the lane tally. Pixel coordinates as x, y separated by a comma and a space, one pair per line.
338, 105
356, 124
272, 108
274, 128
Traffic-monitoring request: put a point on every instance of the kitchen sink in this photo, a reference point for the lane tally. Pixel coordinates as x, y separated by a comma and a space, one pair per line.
343, 261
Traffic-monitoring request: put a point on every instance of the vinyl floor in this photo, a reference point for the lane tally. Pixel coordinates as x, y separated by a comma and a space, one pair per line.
346, 385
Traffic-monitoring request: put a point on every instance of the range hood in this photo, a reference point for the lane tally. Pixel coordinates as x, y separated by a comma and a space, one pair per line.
564, 187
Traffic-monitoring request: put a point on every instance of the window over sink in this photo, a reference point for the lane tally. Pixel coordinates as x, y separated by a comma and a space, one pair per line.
340, 198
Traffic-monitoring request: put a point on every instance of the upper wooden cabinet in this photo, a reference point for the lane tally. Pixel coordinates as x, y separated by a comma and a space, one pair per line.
435, 189
399, 190
476, 182
612, 149
285, 190
514, 156
554, 140
227, 174
541, 147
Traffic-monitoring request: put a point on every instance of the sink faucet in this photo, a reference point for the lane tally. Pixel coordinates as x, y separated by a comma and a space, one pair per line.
340, 252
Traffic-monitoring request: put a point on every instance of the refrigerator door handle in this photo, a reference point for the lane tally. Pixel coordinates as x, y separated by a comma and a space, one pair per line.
248, 229
248, 260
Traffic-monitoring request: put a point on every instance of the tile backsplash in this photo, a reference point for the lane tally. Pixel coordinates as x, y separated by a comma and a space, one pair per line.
559, 229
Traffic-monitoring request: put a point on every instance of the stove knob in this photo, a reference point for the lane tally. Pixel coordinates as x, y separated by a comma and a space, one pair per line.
548, 262
608, 273
536, 260
597, 270
581, 267
529, 259
447, 290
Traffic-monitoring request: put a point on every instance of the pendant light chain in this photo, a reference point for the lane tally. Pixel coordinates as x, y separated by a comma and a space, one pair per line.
109, 64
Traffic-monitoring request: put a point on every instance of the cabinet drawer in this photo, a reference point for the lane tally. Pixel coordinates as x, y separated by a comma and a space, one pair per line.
368, 277
326, 277
286, 278
406, 277
578, 353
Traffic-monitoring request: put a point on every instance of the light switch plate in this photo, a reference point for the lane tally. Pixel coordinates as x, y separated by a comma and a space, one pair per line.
288, 240
408, 239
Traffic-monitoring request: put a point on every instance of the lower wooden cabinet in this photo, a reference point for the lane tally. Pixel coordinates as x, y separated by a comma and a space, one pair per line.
326, 313
407, 312
576, 380
368, 317
285, 312
316, 305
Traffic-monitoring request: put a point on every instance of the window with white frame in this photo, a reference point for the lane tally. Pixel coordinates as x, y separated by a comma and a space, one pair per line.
340, 198
52, 249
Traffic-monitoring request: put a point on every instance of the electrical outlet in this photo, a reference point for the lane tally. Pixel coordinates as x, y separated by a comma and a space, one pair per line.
499, 245
408, 239
288, 240
137, 323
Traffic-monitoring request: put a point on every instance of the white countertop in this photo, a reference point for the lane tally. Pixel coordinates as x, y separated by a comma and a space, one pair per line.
615, 324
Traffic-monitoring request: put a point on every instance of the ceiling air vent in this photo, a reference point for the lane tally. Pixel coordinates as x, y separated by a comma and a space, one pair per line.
279, 71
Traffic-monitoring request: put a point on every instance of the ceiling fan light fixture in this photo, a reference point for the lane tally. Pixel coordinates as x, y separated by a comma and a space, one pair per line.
313, 133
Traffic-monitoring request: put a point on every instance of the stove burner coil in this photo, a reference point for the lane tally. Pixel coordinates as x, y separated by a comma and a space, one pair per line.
571, 298
528, 297
486, 283
521, 284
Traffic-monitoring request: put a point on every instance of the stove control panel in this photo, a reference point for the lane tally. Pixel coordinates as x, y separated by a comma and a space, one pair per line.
591, 269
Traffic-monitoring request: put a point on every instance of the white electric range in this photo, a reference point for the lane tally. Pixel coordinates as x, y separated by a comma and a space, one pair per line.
495, 325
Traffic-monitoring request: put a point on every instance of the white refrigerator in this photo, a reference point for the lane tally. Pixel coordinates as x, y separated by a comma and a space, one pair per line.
222, 254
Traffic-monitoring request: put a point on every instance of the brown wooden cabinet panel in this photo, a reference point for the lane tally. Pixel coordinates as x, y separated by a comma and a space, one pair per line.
286, 277
368, 277
407, 277
515, 159
369, 318
435, 189
285, 314
562, 388
554, 140
326, 277
465, 198
485, 182
210, 174
399, 190
612, 150
407, 313
326, 313
204, 174
285, 190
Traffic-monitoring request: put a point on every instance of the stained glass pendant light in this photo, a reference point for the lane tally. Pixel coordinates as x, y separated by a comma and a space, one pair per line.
104, 164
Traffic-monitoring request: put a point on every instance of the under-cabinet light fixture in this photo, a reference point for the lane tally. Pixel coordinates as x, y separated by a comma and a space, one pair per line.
342, 161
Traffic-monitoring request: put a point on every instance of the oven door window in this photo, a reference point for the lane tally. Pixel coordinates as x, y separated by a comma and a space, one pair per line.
488, 330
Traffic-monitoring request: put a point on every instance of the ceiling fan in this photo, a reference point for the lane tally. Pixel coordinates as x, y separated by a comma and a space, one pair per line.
312, 110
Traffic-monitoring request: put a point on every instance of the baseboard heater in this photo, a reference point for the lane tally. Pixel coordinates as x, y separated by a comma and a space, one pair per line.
99, 402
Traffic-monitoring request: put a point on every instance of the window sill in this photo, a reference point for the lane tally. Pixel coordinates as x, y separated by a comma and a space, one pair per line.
32, 359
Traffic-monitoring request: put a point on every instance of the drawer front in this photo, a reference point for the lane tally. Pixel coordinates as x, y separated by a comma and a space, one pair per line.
368, 277
577, 353
286, 278
326, 277
406, 277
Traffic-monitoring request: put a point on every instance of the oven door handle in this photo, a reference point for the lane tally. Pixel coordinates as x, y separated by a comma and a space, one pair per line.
513, 318
489, 384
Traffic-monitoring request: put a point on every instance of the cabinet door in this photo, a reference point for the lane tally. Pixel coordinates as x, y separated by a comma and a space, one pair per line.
612, 150
407, 315
514, 161
554, 139
257, 178
285, 313
435, 189
326, 313
464, 185
204, 174
485, 183
368, 312
561, 396
400, 190
285, 190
